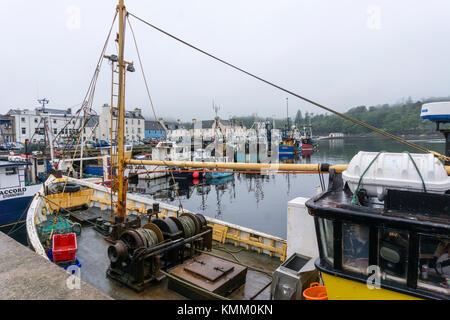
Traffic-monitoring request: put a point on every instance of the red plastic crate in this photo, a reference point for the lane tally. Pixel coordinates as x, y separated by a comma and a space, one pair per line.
64, 247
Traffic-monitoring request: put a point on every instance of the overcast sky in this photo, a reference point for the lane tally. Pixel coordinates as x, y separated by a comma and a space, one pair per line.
338, 53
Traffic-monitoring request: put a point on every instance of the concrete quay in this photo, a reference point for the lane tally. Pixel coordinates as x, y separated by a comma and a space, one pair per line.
24, 275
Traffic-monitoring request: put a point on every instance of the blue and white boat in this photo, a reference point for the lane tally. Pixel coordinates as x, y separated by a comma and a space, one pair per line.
15, 193
286, 149
221, 180
217, 174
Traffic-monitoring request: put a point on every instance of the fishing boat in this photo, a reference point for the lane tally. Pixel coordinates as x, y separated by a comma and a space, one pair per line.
149, 250
16, 193
214, 174
152, 250
383, 226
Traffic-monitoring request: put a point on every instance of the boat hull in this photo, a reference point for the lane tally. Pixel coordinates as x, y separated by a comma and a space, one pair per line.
217, 175
285, 149
14, 203
339, 288
307, 147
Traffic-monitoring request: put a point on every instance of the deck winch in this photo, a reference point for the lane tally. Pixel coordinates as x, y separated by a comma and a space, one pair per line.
161, 243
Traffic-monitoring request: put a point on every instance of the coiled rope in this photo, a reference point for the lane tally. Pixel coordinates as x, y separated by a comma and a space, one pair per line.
149, 236
188, 226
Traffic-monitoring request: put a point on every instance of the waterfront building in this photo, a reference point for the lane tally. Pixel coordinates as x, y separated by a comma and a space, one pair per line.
7, 125
30, 124
134, 124
154, 130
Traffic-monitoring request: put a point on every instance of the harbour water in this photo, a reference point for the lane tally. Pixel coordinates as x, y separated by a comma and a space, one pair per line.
259, 201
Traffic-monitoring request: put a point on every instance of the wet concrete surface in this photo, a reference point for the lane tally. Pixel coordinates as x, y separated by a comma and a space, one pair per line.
24, 275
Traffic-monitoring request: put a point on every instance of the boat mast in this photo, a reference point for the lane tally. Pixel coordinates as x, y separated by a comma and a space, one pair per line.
121, 181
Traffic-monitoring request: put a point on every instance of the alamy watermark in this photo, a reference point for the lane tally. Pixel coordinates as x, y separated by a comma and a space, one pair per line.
374, 279
74, 280
73, 21
373, 21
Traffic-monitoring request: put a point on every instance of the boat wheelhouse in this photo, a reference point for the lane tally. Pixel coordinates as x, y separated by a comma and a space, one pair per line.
15, 193
387, 242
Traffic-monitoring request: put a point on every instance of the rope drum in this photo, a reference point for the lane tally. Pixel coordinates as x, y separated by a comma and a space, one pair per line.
148, 236
188, 226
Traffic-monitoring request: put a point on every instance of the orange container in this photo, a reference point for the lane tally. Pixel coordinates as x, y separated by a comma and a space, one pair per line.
315, 292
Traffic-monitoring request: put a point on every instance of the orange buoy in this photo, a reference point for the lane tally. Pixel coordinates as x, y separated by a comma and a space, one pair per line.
315, 292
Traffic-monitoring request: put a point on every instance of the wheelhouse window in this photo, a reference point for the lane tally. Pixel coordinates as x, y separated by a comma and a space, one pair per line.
326, 239
393, 254
434, 264
10, 171
355, 247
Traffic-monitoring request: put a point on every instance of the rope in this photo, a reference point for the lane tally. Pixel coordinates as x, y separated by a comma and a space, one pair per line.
354, 199
224, 171
88, 98
188, 226
410, 144
418, 171
151, 104
149, 236
18, 221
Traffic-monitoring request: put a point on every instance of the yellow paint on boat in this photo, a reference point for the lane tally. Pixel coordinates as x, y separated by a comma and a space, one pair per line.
68, 200
343, 289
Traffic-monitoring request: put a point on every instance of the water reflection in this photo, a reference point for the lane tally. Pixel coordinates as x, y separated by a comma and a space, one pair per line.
259, 201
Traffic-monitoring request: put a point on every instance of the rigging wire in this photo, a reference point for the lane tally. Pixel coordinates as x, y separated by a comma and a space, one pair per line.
151, 103
86, 106
398, 139
91, 88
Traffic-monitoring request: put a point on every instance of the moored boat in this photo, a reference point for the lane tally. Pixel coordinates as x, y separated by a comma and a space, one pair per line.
383, 227
15, 193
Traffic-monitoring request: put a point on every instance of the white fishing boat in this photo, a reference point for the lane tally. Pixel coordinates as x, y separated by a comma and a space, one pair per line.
162, 251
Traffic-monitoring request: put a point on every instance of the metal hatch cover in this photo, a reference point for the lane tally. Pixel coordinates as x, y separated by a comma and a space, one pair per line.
209, 273
208, 268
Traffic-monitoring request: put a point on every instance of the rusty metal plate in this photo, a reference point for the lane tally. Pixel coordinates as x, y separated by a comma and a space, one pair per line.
208, 268
191, 271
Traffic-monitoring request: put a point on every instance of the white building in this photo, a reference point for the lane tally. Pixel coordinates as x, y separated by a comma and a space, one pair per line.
134, 124
29, 124
208, 129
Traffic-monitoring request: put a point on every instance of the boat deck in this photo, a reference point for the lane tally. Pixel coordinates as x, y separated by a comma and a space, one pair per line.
92, 253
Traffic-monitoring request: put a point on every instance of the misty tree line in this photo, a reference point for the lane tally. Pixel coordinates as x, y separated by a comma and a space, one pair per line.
400, 118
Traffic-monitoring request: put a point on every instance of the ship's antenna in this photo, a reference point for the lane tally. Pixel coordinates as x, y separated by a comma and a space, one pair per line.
43, 102
216, 108
287, 113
